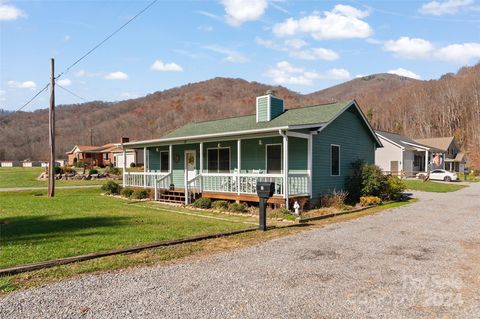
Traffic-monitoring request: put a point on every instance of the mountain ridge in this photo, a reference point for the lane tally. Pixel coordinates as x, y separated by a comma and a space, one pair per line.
391, 102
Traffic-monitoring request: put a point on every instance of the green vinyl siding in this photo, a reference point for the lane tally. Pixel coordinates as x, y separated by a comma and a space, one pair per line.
262, 109
276, 107
253, 154
297, 155
350, 132
154, 157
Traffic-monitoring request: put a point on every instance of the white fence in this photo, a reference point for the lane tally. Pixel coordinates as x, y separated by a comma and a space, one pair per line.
149, 179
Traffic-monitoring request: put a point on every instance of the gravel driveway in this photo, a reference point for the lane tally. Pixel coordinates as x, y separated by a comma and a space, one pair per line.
416, 261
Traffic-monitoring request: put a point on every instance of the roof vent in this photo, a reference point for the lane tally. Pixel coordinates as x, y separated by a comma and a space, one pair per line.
269, 106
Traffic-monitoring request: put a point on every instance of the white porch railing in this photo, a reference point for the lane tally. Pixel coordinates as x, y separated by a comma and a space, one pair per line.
244, 183
247, 183
142, 179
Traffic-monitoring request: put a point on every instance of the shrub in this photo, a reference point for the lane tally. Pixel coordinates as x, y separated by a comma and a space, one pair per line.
112, 170
237, 207
394, 188
132, 165
57, 170
336, 199
68, 170
92, 171
220, 204
370, 200
203, 202
139, 194
111, 188
369, 180
126, 192
282, 212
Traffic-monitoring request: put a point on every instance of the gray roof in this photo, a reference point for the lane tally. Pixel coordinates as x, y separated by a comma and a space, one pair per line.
403, 141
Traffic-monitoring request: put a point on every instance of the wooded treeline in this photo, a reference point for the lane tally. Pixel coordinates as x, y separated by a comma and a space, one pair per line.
448, 106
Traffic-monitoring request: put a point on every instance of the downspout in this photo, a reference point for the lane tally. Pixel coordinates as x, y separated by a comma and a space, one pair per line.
285, 166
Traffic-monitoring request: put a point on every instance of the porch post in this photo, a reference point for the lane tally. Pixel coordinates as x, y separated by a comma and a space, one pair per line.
309, 163
124, 165
285, 169
200, 170
239, 164
426, 161
145, 169
443, 160
170, 156
185, 177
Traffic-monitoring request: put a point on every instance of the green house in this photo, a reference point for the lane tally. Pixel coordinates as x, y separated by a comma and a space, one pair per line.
305, 151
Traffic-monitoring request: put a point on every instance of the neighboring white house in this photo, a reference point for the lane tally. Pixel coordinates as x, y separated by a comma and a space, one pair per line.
10, 164
132, 156
31, 163
455, 160
402, 156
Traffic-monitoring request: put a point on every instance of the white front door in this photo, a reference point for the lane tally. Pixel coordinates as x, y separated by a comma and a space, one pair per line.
190, 164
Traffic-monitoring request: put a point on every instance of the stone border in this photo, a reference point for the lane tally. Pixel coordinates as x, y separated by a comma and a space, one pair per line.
132, 249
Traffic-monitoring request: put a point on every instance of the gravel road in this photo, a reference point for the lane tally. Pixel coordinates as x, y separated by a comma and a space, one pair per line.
416, 261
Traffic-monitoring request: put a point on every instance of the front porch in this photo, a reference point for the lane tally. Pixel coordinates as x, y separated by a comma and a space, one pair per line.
229, 169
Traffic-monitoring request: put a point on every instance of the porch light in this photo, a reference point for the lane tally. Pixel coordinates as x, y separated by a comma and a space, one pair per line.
260, 142
157, 149
218, 145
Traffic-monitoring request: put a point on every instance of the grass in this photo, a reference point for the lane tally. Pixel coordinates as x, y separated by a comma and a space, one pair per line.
27, 177
437, 187
167, 255
79, 221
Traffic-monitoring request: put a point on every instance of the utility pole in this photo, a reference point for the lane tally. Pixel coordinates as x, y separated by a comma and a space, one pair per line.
51, 131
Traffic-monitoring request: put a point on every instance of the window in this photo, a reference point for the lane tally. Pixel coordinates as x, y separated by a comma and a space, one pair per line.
417, 160
335, 160
164, 159
218, 160
274, 158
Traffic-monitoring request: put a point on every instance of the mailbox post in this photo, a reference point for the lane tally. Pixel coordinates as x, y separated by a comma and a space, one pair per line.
264, 191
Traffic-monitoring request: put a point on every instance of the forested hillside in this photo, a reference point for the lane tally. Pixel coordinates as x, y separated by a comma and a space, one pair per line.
448, 106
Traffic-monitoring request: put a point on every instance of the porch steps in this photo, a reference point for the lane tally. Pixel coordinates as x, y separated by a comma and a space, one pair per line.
178, 197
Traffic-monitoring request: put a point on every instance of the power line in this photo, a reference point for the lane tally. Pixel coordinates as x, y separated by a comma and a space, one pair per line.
72, 93
90, 52
33, 98
107, 38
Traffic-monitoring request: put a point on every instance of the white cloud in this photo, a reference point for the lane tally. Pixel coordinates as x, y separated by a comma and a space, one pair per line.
67, 37
315, 54
285, 73
437, 8
295, 43
343, 22
64, 82
231, 56
459, 53
87, 74
404, 72
240, 11
337, 74
2, 92
22, 85
9, 12
410, 48
119, 75
158, 65
209, 14
413, 48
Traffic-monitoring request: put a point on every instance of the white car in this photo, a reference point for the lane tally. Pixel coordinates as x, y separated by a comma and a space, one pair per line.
440, 175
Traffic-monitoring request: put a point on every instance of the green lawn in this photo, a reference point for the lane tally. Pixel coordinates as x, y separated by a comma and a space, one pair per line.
438, 187
79, 221
27, 177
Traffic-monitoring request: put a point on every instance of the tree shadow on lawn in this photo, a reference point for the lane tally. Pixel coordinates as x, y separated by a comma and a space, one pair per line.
28, 228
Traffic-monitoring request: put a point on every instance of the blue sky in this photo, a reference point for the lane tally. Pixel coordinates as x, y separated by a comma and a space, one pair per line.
303, 45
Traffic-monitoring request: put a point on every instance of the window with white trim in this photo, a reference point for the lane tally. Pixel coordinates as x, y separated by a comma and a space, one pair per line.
218, 160
335, 160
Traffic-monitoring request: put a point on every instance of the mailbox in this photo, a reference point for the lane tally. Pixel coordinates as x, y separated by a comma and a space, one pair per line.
265, 189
